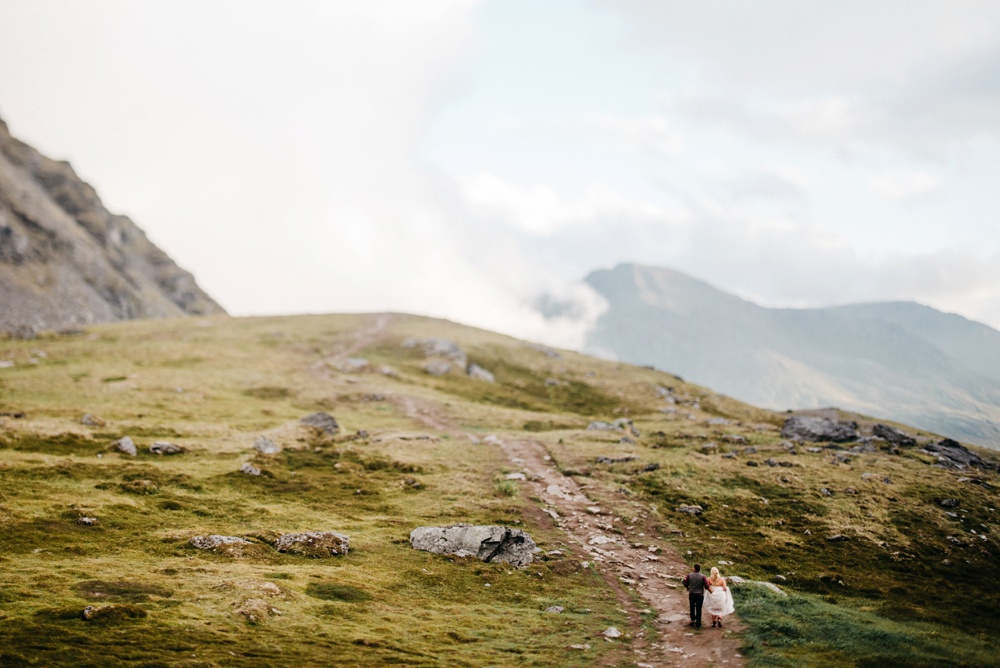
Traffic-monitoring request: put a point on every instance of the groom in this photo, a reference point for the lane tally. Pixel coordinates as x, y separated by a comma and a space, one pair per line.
695, 584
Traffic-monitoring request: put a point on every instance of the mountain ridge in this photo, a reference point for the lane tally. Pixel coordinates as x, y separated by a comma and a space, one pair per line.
897, 360
65, 260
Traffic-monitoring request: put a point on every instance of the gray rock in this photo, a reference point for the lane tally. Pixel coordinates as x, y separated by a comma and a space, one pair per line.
87, 521
825, 491
215, 541
751, 450
439, 348
735, 439
266, 446
729, 455
437, 367
91, 420
864, 446
488, 543
893, 435
718, 421
554, 609
952, 454
126, 445
819, 429
691, 510
615, 460
751, 462
164, 448
600, 425
625, 425
949, 503
477, 372
314, 543
611, 633
324, 422
353, 364
837, 538
249, 469
770, 462
626, 440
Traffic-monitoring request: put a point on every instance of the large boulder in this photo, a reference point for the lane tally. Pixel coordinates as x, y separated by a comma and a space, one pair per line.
266, 446
893, 435
126, 445
952, 454
314, 543
808, 428
489, 543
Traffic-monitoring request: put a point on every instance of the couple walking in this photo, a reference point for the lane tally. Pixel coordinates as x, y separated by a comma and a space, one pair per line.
711, 592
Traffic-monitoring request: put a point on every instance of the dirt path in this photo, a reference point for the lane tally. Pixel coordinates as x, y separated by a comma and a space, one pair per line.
627, 557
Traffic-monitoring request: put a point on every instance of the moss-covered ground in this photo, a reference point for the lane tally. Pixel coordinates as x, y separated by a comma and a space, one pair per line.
908, 581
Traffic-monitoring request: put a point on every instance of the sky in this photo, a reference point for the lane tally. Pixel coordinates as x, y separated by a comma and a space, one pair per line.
462, 159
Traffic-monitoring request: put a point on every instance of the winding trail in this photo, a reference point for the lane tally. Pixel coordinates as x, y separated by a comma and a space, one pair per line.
628, 557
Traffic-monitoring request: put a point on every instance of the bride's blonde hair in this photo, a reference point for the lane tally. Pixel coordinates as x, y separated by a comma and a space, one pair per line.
715, 573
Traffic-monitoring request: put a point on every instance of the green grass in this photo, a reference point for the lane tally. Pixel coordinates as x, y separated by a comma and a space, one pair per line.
803, 630
213, 385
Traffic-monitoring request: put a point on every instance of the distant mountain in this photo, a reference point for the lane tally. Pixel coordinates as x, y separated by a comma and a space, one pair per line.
899, 361
65, 260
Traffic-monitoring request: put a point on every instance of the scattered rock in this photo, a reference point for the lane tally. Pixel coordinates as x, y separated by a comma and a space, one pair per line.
439, 348
840, 458
893, 435
437, 367
314, 543
323, 422
750, 462
517, 475
584, 646
256, 610
611, 633
814, 450
91, 420
600, 425
710, 448
850, 490
751, 450
353, 364
949, 503
864, 447
266, 446
112, 613
652, 466
837, 538
781, 578
488, 543
552, 382
140, 487
126, 445
770, 462
164, 448
868, 476
216, 541
952, 454
554, 609
691, 510
825, 491
87, 521
6, 364
604, 459
817, 429
249, 469
477, 372
735, 439
729, 455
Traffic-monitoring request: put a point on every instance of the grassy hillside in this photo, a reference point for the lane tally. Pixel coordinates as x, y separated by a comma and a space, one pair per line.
414, 449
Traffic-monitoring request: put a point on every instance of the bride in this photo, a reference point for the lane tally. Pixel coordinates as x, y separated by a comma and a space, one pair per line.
718, 599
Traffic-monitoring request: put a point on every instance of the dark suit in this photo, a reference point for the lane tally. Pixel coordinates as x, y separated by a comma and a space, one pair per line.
695, 583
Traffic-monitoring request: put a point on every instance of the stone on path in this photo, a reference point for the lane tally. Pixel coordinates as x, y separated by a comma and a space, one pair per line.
488, 543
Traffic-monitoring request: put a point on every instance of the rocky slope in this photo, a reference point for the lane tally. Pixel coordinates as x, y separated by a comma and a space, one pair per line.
900, 361
65, 260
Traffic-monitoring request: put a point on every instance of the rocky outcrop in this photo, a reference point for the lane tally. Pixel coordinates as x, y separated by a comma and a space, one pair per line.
893, 435
952, 454
818, 429
323, 422
314, 543
65, 260
489, 543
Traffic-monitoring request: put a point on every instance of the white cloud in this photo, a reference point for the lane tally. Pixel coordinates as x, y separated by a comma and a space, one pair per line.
649, 132
903, 185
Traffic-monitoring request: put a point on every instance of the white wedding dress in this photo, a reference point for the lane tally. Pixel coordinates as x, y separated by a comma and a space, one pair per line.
719, 602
